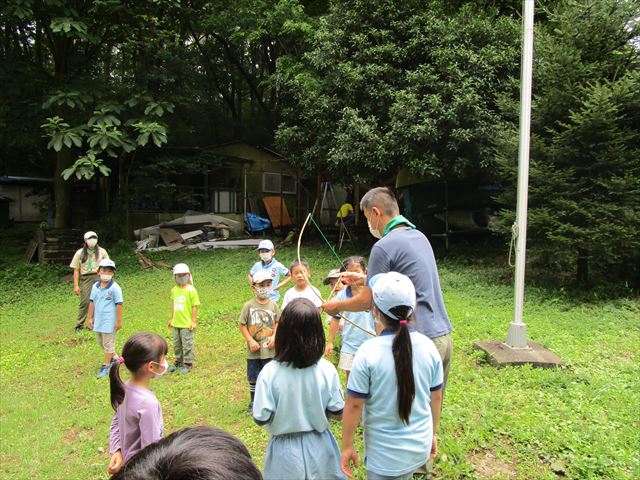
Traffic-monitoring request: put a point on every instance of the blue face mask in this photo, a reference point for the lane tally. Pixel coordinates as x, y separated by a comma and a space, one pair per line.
182, 280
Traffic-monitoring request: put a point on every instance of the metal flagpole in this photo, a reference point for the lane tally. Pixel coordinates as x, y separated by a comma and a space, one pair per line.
517, 336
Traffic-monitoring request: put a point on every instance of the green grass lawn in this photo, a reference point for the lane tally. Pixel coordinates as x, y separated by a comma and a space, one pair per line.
578, 422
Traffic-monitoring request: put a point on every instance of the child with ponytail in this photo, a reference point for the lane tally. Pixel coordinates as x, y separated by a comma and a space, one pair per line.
398, 376
138, 418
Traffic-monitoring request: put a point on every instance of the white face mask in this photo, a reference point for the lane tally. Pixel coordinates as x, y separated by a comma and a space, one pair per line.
373, 231
265, 256
164, 365
263, 292
92, 242
106, 277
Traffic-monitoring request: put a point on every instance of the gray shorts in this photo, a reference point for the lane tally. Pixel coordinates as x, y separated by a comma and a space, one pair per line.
107, 341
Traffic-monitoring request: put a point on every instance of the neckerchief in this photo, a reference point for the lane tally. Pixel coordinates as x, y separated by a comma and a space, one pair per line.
395, 221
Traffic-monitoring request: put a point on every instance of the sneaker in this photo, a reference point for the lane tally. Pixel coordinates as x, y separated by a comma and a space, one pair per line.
104, 371
173, 368
185, 369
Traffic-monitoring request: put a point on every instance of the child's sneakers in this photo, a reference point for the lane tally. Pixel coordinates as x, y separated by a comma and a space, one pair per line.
173, 368
186, 368
104, 371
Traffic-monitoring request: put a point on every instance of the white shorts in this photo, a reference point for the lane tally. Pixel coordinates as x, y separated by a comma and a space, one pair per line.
346, 361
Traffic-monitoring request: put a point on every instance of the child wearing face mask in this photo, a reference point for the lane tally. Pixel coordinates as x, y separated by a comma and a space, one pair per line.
269, 264
258, 324
138, 418
105, 313
85, 273
184, 315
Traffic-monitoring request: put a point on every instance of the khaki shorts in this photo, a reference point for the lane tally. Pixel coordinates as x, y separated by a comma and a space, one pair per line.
346, 361
107, 341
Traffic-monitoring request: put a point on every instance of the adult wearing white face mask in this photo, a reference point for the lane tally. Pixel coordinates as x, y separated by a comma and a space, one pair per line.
85, 273
402, 248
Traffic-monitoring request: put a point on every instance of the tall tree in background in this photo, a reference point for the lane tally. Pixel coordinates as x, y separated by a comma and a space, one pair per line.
584, 194
391, 84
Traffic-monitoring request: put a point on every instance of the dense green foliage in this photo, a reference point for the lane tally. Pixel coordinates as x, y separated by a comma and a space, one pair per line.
584, 197
358, 89
579, 422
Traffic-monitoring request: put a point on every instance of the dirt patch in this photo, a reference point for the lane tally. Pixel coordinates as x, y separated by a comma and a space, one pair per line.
488, 466
68, 342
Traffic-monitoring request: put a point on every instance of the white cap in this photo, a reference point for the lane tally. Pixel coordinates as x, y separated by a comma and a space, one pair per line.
181, 268
392, 289
260, 276
265, 245
90, 234
107, 263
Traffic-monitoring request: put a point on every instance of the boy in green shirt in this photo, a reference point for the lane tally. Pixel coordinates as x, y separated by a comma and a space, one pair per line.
184, 313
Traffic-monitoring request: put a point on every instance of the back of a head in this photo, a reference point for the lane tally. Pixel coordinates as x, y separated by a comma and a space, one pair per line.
197, 453
300, 336
383, 198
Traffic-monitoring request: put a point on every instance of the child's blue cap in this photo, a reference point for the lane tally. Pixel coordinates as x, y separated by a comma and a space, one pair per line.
392, 289
265, 245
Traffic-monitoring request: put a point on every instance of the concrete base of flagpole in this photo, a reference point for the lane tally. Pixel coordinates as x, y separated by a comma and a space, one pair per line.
499, 354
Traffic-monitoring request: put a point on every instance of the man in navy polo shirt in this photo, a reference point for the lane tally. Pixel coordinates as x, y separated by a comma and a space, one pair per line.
404, 249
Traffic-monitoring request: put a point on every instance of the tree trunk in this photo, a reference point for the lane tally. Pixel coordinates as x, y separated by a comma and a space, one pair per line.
62, 189
582, 268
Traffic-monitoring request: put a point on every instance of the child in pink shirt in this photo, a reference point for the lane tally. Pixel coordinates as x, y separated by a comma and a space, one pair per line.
138, 418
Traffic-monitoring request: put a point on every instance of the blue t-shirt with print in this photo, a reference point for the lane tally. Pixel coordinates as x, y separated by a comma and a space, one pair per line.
275, 269
392, 447
104, 306
353, 337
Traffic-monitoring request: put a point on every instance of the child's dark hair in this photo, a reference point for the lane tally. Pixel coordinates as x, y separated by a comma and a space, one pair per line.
295, 263
300, 336
139, 349
344, 266
197, 453
403, 359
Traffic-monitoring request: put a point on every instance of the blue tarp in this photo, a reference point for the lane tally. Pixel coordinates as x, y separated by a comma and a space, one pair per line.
257, 224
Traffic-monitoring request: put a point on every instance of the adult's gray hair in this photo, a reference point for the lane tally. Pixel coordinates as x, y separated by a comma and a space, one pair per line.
380, 197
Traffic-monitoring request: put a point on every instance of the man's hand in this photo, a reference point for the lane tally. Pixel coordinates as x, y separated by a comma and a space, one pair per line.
76, 290
331, 307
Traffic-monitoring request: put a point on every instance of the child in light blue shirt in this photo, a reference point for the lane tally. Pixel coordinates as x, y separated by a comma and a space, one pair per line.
398, 376
268, 263
296, 395
352, 336
105, 313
